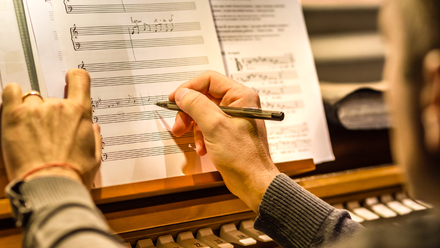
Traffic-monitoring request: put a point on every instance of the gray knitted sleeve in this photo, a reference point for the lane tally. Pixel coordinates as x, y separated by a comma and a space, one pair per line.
294, 217
62, 214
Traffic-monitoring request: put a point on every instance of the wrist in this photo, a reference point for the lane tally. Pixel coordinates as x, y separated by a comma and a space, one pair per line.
55, 171
258, 187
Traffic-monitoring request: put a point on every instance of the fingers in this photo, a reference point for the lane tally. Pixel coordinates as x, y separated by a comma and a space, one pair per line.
199, 141
11, 96
98, 141
213, 82
222, 90
202, 110
182, 124
78, 86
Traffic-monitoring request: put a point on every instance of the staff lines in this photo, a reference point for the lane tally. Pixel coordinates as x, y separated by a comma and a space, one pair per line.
142, 138
137, 43
143, 64
144, 79
148, 152
122, 117
77, 32
127, 8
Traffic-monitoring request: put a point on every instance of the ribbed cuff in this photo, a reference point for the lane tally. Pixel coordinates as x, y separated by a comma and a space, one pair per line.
44, 191
290, 214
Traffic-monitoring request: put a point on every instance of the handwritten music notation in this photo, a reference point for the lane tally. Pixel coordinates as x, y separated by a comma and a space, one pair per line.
275, 91
136, 43
144, 64
144, 79
273, 76
298, 139
284, 61
122, 116
291, 106
77, 32
142, 138
127, 8
130, 101
147, 152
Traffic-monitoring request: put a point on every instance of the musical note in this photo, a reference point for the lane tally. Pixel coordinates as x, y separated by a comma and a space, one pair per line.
284, 61
239, 65
141, 29
271, 76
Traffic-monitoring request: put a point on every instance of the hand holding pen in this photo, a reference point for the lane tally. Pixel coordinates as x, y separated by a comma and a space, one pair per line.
238, 147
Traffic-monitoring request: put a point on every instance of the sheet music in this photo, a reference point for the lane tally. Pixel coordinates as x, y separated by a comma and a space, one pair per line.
137, 52
266, 47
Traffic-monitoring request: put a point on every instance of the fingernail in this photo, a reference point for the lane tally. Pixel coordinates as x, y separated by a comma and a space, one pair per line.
180, 93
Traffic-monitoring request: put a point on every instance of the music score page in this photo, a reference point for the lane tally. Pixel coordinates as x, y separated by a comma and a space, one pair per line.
137, 52
266, 47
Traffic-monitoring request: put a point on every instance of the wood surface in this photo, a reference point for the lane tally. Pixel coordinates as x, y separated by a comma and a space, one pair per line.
160, 214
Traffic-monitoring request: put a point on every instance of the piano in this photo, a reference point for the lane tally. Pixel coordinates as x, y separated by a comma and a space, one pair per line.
362, 177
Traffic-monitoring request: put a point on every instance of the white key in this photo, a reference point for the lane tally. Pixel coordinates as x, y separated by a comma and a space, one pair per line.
398, 207
167, 241
230, 233
383, 211
207, 236
187, 240
362, 212
145, 243
427, 205
412, 204
128, 245
247, 227
355, 217
370, 201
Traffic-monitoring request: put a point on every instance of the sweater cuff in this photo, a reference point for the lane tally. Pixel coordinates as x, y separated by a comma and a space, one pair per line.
290, 214
27, 197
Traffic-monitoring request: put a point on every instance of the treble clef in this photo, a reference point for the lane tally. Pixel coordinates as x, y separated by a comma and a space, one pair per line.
76, 45
73, 32
69, 8
95, 119
104, 157
82, 66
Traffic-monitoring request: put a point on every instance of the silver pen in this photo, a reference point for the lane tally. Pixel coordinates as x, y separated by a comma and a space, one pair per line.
253, 113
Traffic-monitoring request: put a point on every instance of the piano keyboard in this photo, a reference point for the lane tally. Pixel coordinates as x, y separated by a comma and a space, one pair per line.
372, 212
383, 210
228, 237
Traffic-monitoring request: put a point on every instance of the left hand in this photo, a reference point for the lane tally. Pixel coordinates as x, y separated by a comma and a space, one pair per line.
36, 132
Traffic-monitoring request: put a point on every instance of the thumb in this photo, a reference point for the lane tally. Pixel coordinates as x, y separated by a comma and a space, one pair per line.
201, 109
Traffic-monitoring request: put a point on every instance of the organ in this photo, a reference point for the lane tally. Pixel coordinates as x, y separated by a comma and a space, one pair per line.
172, 210
172, 206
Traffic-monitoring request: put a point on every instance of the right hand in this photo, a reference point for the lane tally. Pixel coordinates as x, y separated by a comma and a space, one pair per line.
238, 147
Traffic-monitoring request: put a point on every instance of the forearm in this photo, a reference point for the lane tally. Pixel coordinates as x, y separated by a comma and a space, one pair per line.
294, 217
62, 214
